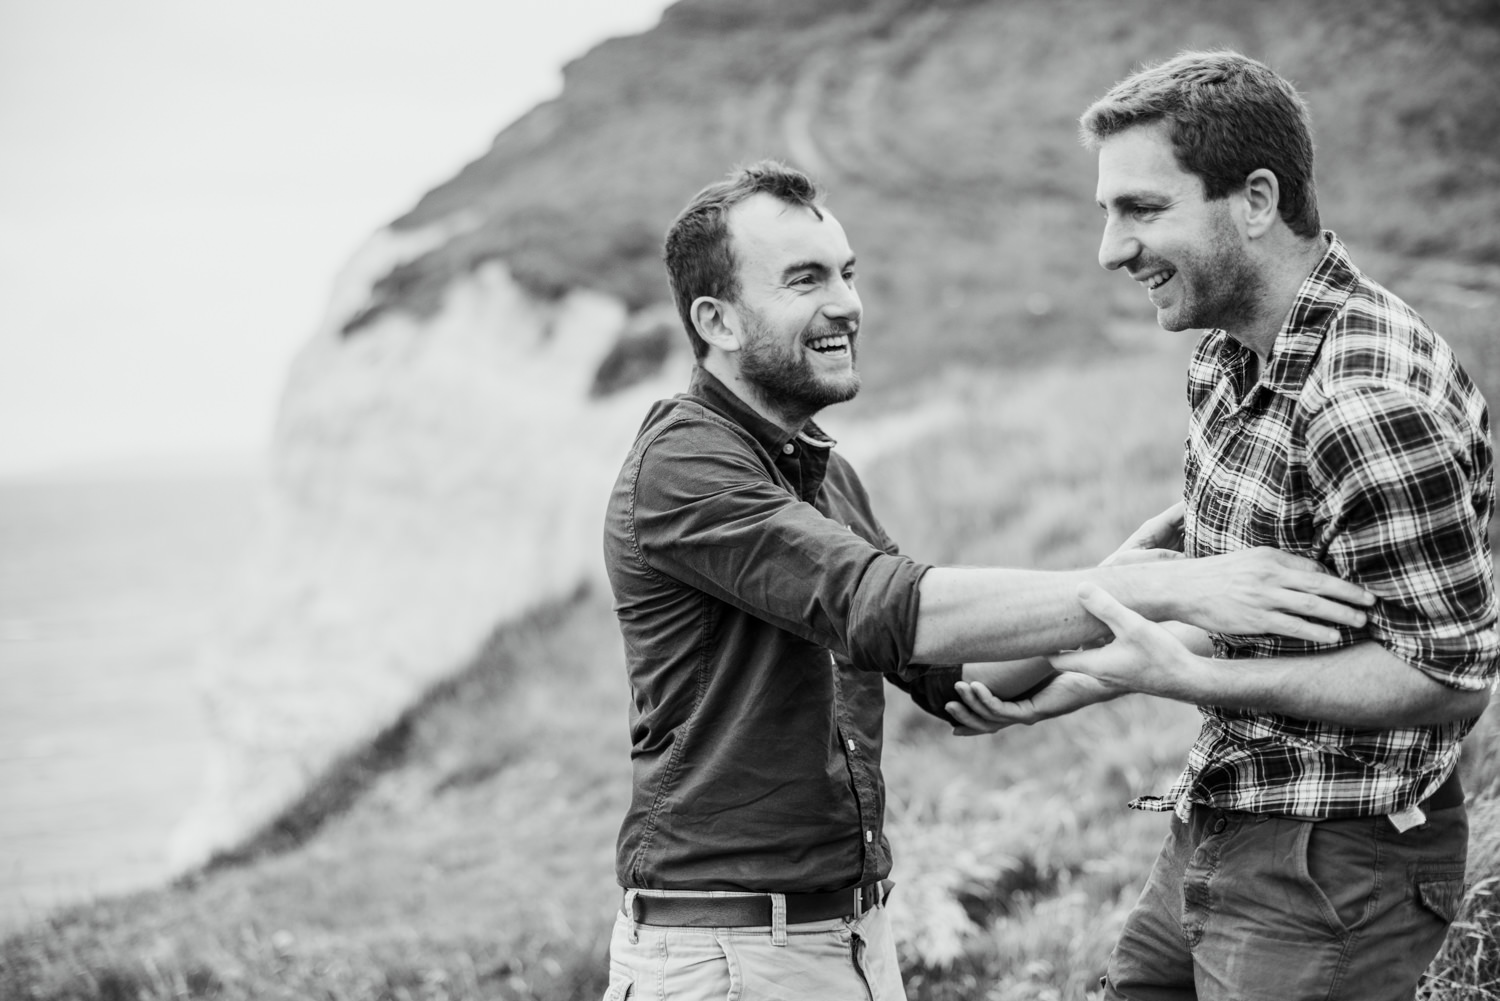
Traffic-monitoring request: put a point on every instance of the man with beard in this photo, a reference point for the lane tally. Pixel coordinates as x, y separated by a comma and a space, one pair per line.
1318, 835
763, 609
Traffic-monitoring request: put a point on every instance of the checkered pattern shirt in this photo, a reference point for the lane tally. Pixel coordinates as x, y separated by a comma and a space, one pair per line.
1364, 446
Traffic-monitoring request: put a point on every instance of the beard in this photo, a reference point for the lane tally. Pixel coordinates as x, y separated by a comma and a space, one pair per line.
1222, 286
784, 376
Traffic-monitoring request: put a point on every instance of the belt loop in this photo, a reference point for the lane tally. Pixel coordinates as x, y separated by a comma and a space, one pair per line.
778, 919
629, 908
859, 902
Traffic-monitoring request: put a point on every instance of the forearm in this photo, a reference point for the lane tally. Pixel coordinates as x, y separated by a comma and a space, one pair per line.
1010, 679
981, 614
1360, 686
985, 614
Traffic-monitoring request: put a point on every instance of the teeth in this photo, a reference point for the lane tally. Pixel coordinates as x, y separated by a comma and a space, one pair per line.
1158, 280
828, 343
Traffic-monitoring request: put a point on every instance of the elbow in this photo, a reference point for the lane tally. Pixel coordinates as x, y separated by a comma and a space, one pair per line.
1469, 705
1450, 705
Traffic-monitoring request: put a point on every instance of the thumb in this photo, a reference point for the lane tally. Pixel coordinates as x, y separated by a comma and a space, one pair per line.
1102, 605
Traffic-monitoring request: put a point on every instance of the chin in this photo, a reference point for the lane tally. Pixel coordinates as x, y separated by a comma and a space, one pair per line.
842, 389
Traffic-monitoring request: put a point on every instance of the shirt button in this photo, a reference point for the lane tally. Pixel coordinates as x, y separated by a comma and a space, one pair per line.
851, 743
869, 837
1219, 825
787, 448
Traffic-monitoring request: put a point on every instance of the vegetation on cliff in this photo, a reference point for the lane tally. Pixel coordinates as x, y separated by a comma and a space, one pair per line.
467, 852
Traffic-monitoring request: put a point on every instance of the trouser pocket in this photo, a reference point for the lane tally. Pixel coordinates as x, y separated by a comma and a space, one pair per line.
621, 987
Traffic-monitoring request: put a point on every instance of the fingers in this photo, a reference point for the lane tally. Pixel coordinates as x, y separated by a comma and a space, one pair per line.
1073, 661
1282, 624
1335, 588
1313, 578
970, 724
980, 708
1311, 606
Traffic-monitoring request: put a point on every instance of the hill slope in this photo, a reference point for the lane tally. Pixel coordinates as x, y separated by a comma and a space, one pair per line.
445, 436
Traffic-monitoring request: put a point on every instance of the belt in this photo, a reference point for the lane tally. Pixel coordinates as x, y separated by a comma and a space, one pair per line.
1449, 794
755, 911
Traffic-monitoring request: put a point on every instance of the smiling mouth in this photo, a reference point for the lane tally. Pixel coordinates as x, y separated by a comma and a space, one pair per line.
1159, 279
830, 344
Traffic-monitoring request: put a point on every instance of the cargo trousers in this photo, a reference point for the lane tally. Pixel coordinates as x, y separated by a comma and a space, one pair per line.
1260, 907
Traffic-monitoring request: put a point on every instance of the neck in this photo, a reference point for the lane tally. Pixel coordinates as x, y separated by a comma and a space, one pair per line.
720, 368
1284, 270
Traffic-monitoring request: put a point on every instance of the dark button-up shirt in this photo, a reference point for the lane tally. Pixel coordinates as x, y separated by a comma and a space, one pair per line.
1365, 446
763, 608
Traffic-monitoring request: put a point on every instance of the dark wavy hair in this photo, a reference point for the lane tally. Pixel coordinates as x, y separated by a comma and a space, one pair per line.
1227, 116
698, 251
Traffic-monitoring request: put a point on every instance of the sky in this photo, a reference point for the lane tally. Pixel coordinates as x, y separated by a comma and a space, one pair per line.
181, 180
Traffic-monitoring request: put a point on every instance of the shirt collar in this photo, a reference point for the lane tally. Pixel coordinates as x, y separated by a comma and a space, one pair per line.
1320, 298
772, 436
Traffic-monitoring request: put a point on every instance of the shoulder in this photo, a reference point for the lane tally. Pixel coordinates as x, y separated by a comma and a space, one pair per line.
683, 426
1378, 351
1376, 338
687, 452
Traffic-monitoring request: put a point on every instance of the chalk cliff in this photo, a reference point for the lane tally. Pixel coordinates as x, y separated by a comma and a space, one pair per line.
448, 436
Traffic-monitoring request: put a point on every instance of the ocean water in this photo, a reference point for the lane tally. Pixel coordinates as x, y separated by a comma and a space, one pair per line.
109, 587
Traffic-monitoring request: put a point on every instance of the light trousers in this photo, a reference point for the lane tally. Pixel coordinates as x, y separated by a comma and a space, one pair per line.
842, 959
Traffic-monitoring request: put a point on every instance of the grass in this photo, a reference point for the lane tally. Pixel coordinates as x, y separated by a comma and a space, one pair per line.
468, 853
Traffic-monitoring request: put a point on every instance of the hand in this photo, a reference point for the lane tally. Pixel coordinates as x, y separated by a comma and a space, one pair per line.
1144, 657
981, 712
1159, 537
1258, 591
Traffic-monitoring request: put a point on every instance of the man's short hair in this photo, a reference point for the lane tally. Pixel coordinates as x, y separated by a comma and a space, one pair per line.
699, 254
1227, 116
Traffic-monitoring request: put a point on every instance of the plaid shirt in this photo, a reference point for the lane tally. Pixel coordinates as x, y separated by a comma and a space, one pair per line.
1366, 447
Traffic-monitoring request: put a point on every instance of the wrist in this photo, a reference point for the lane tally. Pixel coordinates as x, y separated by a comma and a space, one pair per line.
1151, 590
1195, 680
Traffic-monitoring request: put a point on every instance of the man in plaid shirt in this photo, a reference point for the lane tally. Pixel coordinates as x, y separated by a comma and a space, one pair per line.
1318, 838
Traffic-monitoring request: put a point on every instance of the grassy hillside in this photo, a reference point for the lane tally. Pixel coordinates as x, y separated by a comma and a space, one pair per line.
467, 853
945, 132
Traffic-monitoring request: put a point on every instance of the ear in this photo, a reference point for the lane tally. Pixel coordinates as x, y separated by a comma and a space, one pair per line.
1262, 202
716, 323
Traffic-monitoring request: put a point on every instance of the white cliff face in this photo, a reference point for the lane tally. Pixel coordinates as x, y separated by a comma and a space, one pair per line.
433, 479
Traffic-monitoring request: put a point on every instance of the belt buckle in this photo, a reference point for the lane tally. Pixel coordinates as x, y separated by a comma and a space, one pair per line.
859, 901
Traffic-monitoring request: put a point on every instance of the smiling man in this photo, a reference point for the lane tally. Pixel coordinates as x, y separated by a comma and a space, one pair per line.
764, 610
1318, 836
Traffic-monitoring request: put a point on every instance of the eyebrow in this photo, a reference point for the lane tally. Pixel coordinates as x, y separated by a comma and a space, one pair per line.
1127, 199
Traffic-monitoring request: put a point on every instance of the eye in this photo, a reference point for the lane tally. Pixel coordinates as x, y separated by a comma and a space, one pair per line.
803, 281
1146, 211
849, 276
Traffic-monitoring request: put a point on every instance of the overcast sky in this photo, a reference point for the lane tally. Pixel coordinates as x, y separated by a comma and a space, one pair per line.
181, 179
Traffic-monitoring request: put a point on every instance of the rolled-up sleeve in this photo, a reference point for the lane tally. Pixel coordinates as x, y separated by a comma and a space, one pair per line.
706, 515
1396, 497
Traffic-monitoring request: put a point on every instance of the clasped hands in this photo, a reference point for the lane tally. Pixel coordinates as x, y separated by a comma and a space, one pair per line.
1165, 659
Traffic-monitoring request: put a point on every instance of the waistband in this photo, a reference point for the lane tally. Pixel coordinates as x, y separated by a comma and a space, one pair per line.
713, 909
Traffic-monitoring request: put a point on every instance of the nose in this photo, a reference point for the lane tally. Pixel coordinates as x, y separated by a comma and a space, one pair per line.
844, 304
1117, 247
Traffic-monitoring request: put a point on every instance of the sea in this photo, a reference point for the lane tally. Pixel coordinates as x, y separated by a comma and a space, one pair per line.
110, 585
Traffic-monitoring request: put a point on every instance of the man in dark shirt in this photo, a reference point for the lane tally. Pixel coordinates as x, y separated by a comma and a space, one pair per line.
763, 609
